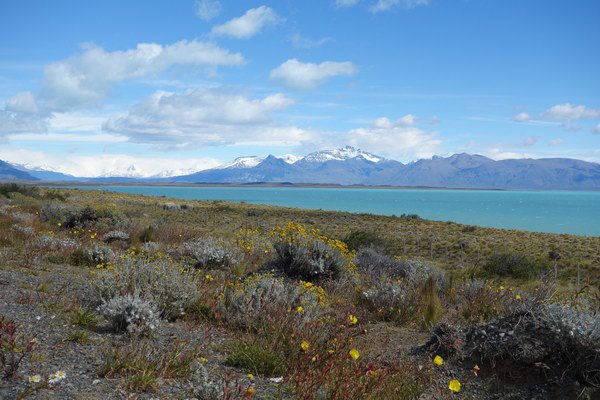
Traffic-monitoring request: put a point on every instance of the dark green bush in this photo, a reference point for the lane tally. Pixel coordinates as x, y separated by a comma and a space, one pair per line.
148, 235
358, 239
26, 190
255, 359
514, 265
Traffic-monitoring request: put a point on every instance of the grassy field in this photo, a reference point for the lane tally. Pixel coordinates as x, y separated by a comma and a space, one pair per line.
145, 297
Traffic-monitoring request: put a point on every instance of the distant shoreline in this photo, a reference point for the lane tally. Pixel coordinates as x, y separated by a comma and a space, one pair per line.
261, 184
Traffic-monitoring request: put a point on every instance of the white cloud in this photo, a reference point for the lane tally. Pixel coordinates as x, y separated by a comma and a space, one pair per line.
386, 123
386, 5
249, 24
23, 102
346, 3
106, 164
208, 9
84, 81
500, 154
555, 142
397, 139
530, 141
596, 129
76, 122
522, 117
301, 42
21, 114
68, 137
205, 117
569, 112
294, 74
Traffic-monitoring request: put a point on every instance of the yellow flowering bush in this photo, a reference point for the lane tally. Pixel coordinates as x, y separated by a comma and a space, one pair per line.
308, 254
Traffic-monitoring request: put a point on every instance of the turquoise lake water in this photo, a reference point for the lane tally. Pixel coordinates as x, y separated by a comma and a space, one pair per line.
555, 212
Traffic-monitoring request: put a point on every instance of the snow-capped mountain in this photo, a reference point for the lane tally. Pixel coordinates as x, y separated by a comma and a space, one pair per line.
350, 166
290, 158
131, 171
345, 153
175, 172
242, 162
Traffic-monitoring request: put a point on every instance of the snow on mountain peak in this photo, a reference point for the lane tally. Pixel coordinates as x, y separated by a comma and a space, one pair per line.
242, 162
290, 158
344, 153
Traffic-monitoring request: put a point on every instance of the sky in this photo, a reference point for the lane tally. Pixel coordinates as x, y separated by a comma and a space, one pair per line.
89, 88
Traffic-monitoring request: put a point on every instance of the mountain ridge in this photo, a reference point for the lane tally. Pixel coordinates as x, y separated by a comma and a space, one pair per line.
352, 166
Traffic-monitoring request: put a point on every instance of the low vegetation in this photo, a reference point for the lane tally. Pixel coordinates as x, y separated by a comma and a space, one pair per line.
105, 293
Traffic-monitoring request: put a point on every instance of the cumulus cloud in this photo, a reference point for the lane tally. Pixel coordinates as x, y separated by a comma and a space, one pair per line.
569, 112
530, 141
301, 42
205, 117
522, 117
208, 9
297, 75
346, 3
386, 5
249, 24
84, 81
396, 138
555, 142
22, 114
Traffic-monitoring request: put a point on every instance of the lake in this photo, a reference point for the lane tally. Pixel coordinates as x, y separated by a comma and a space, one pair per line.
553, 211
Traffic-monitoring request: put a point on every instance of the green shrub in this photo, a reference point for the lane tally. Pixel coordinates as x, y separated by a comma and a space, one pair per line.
148, 235
359, 238
514, 265
255, 359
26, 190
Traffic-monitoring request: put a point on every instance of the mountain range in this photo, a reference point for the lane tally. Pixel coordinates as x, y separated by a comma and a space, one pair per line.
351, 166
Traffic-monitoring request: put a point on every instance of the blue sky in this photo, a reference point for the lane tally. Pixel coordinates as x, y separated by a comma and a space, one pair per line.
93, 87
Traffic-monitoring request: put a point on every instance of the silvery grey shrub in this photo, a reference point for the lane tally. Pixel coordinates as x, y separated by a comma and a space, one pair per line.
115, 235
207, 253
130, 313
93, 255
394, 300
171, 288
308, 259
249, 303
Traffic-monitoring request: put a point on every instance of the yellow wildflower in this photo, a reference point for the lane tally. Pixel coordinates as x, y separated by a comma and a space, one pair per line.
438, 360
304, 345
208, 277
203, 360
249, 392
454, 386
354, 354
300, 309
518, 297
251, 376
353, 320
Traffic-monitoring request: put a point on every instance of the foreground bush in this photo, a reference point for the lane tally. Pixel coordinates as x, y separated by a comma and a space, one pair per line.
171, 288
557, 339
130, 313
308, 254
249, 303
377, 265
393, 300
92, 256
206, 253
